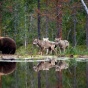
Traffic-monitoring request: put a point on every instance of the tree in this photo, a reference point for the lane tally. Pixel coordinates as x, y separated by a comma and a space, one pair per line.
0, 17
74, 18
74, 75
0, 81
59, 34
74, 31
47, 81
15, 18
87, 74
47, 19
25, 37
39, 35
59, 79
59, 18
39, 79
86, 9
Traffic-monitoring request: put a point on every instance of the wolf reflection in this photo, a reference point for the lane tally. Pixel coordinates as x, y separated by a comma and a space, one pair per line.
46, 65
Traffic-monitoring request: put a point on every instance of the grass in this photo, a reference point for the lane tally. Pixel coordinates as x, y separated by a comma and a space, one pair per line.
77, 51
29, 50
33, 50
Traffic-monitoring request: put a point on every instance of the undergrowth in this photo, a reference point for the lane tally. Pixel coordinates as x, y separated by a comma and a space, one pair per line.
33, 50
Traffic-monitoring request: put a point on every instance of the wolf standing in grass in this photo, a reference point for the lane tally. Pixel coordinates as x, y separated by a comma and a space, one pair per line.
63, 44
44, 45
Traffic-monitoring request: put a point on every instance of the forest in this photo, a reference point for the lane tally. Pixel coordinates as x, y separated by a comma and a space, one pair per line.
25, 20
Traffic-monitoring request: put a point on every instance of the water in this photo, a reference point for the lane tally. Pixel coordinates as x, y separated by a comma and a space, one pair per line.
24, 76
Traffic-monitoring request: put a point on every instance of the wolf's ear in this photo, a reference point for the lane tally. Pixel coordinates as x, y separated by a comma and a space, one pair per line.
45, 39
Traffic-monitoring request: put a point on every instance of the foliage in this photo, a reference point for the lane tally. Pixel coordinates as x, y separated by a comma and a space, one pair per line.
19, 21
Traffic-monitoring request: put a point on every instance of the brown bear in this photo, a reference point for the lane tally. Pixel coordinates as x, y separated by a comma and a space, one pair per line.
7, 46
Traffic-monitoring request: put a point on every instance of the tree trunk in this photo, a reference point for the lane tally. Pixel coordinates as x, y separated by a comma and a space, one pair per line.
39, 79
87, 32
47, 19
15, 18
47, 81
0, 81
87, 74
59, 18
86, 9
25, 35
26, 69
74, 73
59, 34
0, 18
74, 31
59, 78
39, 35
85, 6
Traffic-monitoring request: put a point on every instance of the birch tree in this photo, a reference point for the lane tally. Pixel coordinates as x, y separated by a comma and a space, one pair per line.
25, 40
85, 6
86, 9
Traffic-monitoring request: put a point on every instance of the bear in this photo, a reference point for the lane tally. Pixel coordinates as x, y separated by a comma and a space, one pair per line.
7, 46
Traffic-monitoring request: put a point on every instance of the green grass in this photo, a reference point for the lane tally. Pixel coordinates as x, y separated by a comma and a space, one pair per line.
29, 50
33, 50
77, 51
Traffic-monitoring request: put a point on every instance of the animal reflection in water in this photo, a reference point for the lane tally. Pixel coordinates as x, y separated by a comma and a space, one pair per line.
46, 65
50, 46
